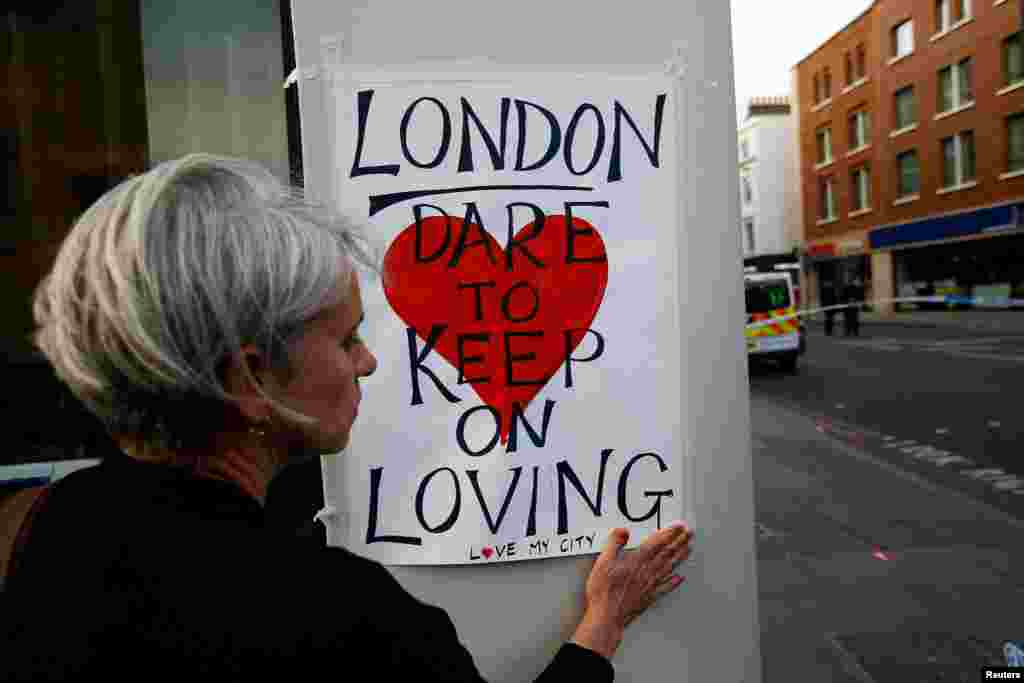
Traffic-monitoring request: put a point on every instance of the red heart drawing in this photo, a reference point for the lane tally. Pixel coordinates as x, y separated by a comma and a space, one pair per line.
516, 312
487, 552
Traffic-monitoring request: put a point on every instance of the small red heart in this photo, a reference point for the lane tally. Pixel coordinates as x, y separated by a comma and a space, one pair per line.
569, 288
487, 552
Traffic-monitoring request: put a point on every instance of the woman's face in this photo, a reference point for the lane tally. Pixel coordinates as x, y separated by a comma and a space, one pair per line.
328, 361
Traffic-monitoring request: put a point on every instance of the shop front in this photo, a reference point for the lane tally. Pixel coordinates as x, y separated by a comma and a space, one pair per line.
972, 255
835, 267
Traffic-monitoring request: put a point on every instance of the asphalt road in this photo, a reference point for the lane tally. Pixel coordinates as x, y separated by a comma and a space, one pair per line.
945, 404
868, 573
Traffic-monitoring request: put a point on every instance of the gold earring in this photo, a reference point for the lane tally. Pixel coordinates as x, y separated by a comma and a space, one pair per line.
258, 429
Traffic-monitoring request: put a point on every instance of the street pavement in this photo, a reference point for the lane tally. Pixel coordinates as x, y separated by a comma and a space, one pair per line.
944, 402
868, 571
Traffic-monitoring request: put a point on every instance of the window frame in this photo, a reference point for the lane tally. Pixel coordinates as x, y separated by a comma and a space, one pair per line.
826, 199
907, 154
908, 24
860, 189
1017, 117
826, 133
911, 90
960, 178
1018, 37
956, 78
859, 127
943, 16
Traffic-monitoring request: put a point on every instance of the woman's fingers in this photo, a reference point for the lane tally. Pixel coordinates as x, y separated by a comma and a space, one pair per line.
668, 549
617, 540
662, 539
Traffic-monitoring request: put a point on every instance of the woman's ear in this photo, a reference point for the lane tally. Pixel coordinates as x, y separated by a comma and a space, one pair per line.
246, 373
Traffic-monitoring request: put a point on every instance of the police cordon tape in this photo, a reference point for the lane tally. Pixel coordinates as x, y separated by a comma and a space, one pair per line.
950, 300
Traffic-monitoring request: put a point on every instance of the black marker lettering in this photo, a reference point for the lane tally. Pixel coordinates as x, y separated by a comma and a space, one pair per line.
365, 97
416, 365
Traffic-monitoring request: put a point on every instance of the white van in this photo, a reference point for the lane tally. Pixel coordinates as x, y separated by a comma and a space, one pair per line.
770, 296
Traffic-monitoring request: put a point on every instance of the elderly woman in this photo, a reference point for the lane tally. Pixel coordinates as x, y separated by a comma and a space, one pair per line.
209, 316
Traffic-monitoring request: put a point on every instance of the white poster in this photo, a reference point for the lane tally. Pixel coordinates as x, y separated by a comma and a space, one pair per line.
527, 324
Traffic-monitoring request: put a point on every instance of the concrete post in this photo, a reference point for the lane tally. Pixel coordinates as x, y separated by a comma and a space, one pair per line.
883, 281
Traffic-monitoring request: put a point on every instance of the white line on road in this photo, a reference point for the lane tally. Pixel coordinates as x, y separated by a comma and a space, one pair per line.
862, 456
984, 356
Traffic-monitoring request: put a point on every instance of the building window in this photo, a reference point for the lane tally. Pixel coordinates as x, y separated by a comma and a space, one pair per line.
903, 39
1015, 143
958, 159
963, 10
955, 89
748, 190
824, 145
906, 108
860, 130
744, 150
862, 62
860, 189
826, 81
949, 14
817, 89
849, 69
1013, 59
909, 181
748, 235
943, 15
826, 199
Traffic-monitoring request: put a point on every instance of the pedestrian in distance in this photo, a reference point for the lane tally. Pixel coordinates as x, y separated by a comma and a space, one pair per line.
853, 297
828, 301
209, 315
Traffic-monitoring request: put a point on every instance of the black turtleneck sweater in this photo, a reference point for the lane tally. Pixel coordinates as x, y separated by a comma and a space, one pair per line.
146, 572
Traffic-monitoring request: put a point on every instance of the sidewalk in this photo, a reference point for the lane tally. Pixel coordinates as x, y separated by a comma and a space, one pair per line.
867, 574
983, 321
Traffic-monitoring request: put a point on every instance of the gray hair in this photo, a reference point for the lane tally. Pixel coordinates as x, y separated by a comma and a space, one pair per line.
170, 273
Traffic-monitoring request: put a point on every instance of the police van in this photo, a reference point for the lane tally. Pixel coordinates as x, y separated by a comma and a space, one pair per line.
771, 296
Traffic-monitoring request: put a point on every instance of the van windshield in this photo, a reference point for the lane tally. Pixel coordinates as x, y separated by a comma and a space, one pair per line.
764, 297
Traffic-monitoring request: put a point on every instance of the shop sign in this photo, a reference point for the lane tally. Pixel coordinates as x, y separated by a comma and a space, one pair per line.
828, 249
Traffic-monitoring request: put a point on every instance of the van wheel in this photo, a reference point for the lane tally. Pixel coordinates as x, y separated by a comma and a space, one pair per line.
790, 363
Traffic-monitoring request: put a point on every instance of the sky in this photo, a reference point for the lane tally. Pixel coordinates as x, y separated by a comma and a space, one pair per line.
769, 38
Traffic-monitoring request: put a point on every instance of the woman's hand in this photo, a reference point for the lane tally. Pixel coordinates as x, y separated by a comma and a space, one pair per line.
623, 584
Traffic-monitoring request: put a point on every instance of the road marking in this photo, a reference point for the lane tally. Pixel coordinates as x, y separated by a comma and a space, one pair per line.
1010, 483
984, 474
972, 341
900, 444
995, 424
944, 430
927, 485
985, 356
952, 460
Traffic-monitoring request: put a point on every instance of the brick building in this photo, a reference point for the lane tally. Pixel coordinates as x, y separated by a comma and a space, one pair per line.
912, 151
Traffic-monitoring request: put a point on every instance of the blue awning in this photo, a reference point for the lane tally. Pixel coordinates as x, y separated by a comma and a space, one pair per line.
1008, 216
